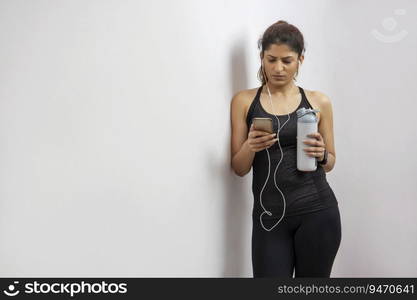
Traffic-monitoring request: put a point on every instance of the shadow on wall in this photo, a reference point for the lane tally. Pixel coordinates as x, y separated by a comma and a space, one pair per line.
235, 187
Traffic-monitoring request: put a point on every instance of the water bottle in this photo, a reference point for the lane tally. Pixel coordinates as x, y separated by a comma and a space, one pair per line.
306, 124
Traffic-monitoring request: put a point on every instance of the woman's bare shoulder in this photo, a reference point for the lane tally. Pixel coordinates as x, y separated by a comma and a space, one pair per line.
247, 94
320, 101
245, 98
317, 99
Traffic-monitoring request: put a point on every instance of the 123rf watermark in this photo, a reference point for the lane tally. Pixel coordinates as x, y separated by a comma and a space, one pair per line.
70, 288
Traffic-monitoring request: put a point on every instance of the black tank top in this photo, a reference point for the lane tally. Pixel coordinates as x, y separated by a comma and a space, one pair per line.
303, 191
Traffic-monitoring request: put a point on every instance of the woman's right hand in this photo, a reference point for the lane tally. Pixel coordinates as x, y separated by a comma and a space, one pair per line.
259, 140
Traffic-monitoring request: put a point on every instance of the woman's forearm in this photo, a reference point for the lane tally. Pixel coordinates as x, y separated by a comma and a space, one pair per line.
243, 159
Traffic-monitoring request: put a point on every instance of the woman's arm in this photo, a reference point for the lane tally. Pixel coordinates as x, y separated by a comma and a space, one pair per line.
241, 156
326, 129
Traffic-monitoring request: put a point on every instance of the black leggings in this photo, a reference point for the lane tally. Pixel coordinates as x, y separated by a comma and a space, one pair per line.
307, 242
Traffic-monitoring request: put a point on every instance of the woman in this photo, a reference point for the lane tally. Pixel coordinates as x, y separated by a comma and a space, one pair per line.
295, 219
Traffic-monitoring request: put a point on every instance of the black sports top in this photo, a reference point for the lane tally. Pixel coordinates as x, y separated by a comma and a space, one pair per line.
304, 191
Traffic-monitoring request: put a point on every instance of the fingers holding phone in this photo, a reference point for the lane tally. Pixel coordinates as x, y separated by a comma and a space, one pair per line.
261, 134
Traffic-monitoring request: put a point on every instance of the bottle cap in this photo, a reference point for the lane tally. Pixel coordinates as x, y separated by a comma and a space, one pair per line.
303, 111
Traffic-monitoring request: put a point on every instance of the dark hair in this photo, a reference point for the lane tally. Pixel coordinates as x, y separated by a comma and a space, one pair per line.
278, 33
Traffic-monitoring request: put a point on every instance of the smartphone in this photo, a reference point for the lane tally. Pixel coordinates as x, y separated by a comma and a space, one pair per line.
263, 124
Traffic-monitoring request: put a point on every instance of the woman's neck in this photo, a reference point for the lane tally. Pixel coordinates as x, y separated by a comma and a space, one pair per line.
284, 91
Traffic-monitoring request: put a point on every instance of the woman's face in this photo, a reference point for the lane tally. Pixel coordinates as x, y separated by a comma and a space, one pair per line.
280, 60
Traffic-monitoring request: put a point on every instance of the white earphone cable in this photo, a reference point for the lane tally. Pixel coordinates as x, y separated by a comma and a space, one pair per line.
269, 169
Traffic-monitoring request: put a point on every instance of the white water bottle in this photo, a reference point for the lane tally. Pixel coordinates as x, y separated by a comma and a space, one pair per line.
306, 124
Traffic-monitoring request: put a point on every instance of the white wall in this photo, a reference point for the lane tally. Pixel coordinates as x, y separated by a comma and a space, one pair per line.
115, 134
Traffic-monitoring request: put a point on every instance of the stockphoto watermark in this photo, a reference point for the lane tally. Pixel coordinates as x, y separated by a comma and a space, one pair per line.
70, 288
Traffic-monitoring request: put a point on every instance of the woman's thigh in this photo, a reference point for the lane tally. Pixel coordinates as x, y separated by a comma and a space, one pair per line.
316, 243
273, 251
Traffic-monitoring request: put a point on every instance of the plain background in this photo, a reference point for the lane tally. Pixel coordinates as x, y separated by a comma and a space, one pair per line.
115, 133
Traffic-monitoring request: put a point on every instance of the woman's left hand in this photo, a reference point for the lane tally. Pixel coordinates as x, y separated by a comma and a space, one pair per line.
318, 146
